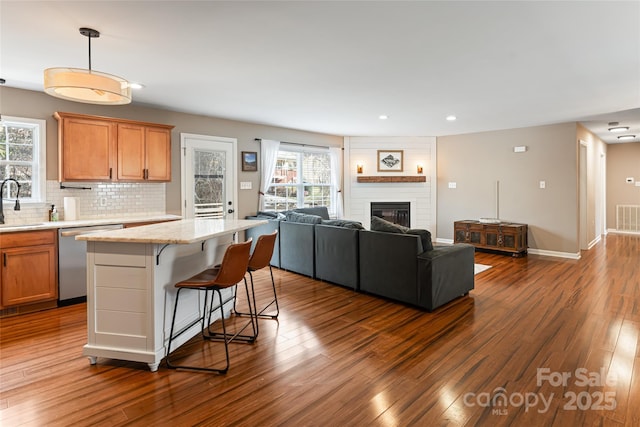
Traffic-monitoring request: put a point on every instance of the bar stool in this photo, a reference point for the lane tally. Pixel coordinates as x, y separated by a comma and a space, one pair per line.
260, 258
230, 272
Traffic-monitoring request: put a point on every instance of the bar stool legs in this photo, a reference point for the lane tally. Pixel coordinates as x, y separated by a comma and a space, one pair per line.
229, 273
261, 258
217, 336
261, 314
205, 310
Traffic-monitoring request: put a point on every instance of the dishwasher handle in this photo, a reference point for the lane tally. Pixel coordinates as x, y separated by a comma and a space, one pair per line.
79, 231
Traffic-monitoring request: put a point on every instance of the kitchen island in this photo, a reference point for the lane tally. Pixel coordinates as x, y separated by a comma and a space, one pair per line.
130, 284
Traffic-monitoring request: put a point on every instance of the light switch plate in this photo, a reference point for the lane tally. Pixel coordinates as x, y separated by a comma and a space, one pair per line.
452, 185
543, 184
637, 183
245, 185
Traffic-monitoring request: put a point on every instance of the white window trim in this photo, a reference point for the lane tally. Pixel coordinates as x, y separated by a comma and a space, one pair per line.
39, 184
301, 150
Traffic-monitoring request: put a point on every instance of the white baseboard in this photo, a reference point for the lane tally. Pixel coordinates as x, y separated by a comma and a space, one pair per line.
445, 241
614, 231
532, 251
556, 254
594, 242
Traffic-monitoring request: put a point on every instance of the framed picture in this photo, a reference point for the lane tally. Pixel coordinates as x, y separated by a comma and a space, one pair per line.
390, 160
249, 161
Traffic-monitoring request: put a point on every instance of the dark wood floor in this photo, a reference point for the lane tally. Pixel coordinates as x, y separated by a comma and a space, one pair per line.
339, 358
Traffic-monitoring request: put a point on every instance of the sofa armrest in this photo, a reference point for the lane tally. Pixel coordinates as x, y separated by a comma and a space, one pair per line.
336, 255
297, 247
445, 273
389, 265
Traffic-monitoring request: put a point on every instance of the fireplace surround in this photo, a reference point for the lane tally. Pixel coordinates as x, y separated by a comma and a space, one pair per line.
396, 212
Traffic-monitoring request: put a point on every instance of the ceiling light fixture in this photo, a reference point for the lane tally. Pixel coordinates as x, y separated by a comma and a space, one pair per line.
383, 117
619, 129
451, 118
626, 137
88, 86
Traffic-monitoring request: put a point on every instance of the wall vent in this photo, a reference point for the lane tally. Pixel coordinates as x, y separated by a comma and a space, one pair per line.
628, 218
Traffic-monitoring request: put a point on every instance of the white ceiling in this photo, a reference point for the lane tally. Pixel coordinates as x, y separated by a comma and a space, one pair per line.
334, 67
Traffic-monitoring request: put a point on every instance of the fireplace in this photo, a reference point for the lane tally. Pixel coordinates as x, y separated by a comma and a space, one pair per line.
396, 212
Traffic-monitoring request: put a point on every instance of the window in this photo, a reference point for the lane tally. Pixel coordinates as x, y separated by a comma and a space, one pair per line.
302, 178
23, 158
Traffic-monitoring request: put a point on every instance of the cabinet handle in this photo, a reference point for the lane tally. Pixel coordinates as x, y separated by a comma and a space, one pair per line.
4, 256
110, 173
146, 174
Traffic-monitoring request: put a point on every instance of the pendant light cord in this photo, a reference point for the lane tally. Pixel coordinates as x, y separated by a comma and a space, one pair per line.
89, 37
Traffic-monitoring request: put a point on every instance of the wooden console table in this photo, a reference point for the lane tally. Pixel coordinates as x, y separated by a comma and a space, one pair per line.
503, 236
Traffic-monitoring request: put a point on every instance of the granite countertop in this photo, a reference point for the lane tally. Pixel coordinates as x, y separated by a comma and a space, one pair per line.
175, 232
45, 225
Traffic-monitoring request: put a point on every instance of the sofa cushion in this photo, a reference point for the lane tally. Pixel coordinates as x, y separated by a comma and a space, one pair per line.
321, 211
379, 224
425, 237
343, 223
303, 218
267, 214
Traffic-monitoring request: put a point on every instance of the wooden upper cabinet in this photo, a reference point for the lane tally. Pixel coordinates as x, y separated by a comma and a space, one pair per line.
131, 152
158, 154
86, 148
125, 150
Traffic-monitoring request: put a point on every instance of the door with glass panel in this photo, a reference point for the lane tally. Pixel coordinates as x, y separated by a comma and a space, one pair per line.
208, 176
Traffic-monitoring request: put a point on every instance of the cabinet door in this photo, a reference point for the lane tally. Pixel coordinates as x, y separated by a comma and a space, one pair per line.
28, 275
131, 148
87, 149
158, 154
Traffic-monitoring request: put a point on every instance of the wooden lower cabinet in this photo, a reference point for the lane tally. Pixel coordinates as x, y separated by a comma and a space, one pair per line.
504, 236
28, 270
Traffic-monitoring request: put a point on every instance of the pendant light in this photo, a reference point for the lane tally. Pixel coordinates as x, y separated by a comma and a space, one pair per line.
88, 86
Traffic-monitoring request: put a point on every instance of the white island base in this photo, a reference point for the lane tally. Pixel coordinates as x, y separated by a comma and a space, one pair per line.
131, 276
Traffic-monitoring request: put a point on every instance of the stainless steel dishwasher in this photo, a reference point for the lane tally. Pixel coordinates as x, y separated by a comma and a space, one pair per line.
72, 263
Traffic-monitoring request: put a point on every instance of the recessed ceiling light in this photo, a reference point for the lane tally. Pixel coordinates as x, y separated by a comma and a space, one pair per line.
136, 85
619, 129
626, 137
383, 117
451, 117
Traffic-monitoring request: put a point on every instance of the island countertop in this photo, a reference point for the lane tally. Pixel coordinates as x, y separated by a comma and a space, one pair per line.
175, 232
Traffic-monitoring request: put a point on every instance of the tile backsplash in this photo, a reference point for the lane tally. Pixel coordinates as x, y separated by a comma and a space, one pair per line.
103, 200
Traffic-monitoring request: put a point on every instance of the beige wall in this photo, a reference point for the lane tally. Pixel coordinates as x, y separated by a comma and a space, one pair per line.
38, 105
623, 160
475, 162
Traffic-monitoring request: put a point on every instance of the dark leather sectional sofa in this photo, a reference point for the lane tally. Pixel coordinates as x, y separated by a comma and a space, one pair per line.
389, 265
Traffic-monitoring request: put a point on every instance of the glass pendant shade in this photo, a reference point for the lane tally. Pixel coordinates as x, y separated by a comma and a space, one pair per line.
88, 86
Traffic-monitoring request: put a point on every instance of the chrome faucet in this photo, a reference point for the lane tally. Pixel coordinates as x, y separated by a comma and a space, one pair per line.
17, 206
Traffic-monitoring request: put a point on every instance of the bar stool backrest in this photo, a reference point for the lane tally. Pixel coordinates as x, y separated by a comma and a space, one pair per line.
263, 251
234, 264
